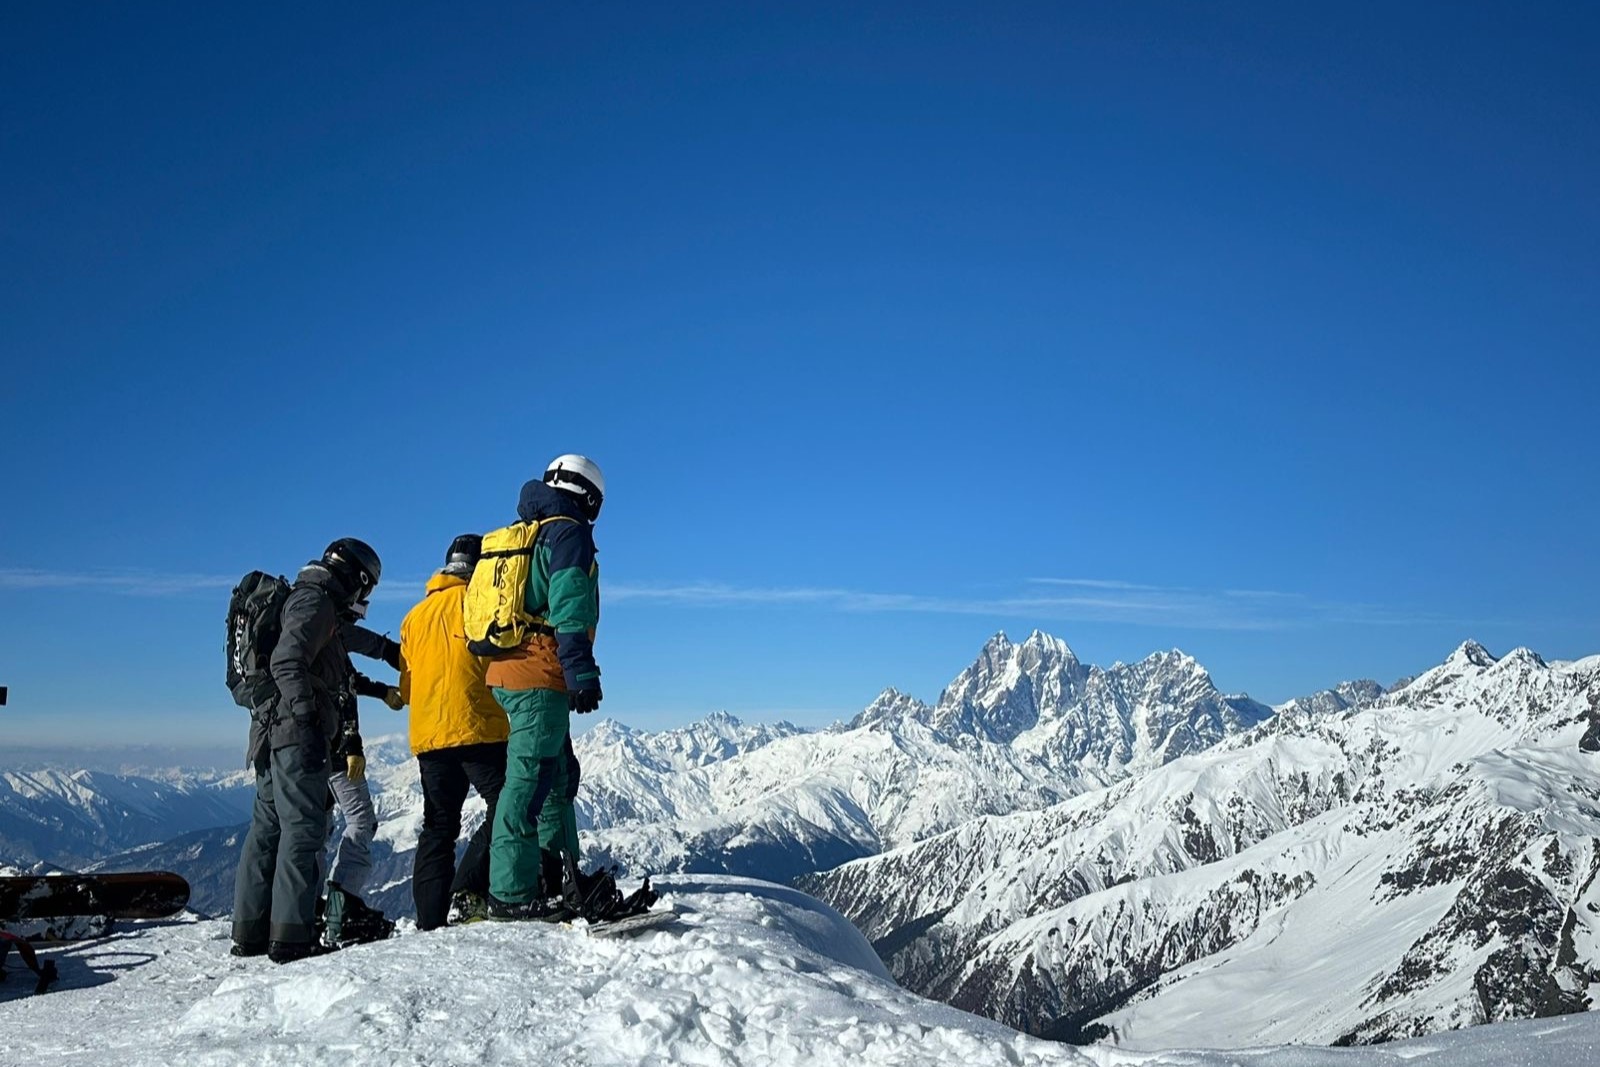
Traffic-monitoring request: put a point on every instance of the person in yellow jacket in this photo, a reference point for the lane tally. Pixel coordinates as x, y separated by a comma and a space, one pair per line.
458, 733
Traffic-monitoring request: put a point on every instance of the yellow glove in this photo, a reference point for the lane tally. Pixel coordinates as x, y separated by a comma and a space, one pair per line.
355, 768
393, 698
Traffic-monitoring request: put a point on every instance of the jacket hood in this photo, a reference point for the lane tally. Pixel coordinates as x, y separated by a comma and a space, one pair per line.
540, 501
315, 573
441, 580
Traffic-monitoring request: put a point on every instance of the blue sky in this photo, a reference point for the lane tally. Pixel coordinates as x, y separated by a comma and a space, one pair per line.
1265, 334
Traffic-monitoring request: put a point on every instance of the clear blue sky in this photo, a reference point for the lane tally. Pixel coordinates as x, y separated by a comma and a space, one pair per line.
1258, 331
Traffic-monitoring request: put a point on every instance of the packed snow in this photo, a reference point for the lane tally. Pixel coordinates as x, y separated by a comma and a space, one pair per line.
750, 974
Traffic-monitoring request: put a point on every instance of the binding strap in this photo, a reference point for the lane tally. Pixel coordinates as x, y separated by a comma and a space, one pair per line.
46, 971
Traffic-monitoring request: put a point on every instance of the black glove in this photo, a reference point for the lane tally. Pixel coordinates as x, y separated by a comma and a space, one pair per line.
367, 687
583, 701
349, 741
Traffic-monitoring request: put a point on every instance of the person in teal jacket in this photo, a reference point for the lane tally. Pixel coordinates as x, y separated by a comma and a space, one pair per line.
540, 684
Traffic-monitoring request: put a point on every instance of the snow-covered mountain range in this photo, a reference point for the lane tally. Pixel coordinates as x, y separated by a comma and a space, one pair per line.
1127, 853
1024, 727
69, 819
1424, 861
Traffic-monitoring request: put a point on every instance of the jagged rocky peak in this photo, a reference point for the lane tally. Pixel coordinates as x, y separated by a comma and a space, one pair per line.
1173, 675
1001, 663
1044, 643
721, 722
607, 731
1346, 696
1471, 654
1469, 660
1010, 686
891, 706
1521, 656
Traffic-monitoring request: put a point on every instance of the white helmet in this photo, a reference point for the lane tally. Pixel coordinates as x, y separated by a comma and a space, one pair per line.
580, 476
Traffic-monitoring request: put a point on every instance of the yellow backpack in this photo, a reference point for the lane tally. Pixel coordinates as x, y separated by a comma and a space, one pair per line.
495, 607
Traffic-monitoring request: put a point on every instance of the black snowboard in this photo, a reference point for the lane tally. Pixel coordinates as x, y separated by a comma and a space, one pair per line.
629, 925
139, 895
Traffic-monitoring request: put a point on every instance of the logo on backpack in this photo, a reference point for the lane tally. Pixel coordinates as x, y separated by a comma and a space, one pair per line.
254, 621
495, 609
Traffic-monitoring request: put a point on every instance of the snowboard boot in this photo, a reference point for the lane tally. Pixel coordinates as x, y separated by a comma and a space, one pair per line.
347, 920
289, 951
246, 949
552, 872
537, 909
467, 907
593, 896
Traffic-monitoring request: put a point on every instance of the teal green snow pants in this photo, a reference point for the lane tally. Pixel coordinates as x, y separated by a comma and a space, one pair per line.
535, 807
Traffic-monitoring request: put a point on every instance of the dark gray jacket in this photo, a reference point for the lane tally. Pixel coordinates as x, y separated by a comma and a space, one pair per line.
311, 669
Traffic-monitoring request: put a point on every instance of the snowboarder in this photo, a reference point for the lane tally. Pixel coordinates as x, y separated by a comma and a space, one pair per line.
276, 886
346, 917
552, 674
458, 734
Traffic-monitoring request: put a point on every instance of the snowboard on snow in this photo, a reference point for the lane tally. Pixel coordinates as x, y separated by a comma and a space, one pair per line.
629, 925
624, 927
139, 895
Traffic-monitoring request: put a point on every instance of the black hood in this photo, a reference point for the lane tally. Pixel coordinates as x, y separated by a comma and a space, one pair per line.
540, 501
318, 574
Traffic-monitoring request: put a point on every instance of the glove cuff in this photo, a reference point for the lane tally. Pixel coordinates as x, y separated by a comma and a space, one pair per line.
584, 680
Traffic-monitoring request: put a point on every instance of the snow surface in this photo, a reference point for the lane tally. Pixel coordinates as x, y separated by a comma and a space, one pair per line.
752, 973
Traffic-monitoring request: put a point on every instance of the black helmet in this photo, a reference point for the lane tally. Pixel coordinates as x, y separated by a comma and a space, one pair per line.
355, 564
463, 554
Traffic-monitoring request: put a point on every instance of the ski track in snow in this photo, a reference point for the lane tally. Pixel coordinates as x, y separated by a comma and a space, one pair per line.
752, 974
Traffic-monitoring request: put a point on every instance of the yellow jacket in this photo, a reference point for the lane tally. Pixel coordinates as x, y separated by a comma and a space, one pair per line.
443, 682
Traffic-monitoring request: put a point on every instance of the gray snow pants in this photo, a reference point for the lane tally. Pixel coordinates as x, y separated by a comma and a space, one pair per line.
352, 860
276, 888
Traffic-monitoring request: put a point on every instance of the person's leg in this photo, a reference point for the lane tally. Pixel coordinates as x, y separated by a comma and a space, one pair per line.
252, 885
444, 790
485, 767
300, 797
558, 822
352, 860
534, 760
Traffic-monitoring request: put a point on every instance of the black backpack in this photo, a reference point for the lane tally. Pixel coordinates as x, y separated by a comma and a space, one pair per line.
254, 621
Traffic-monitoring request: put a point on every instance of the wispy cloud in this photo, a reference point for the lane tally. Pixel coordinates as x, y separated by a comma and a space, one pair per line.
1042, 599
129, 583
155, 583
1094, 583
1102, 600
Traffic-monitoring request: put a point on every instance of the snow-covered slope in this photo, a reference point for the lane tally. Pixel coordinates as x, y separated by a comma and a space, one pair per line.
1414, 864
754, 975
805, 802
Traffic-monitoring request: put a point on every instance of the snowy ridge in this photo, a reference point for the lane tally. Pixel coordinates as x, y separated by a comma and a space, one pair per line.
1025, 726
1052, 709
1419, 863
68, 819
752, 975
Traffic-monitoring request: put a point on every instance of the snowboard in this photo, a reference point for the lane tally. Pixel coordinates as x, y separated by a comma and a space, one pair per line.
64, 928
139, 895
632, 924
